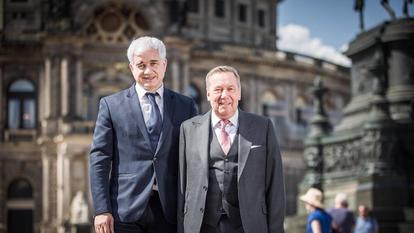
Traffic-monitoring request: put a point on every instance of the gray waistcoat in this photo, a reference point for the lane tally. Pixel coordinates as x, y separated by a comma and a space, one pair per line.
222, 194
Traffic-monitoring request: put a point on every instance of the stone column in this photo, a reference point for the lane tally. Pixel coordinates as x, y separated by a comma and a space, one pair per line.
178, 57
175, 75
64, 86
40, 97
2, 197
49, 199
72, 167
233, 18
254, 98
79, 87
290, 95
55, 104
47, 89
51, 94
63, 184
2, 106
186, 76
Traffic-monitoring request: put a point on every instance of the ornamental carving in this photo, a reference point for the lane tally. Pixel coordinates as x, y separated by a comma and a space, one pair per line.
116, 24
370, 154
314, 163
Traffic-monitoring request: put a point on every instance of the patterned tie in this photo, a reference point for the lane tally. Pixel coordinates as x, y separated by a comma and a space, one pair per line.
224, 138
154, 124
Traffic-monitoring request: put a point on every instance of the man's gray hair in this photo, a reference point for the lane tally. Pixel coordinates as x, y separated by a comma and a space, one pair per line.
223, 69
342, 199
143, 44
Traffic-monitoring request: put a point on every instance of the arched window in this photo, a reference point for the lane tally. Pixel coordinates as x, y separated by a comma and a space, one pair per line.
272, 105
21, 105
300, 104
194, 93
20, 189
20, 207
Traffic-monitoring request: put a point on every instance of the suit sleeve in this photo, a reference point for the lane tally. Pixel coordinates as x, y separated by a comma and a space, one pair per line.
275, 187
100, 160
182, 171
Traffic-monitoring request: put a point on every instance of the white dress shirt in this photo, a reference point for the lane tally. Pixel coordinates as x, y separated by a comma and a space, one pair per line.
145, 103
231, 128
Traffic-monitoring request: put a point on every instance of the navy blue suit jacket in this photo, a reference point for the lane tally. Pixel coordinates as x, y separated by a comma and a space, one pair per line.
122, 163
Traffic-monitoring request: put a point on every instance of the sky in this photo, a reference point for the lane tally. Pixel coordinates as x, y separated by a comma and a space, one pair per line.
324, 28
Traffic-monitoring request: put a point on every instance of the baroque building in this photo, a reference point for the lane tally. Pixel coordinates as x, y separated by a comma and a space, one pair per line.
59, 57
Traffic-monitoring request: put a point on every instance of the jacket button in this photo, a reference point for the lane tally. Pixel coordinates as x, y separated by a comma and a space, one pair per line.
201, 210
205, 188
154, 159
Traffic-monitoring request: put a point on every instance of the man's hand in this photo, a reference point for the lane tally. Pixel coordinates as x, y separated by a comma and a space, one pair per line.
104, 223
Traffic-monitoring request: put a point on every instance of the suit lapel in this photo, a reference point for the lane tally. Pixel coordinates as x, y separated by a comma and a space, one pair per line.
244, 143
203, 126
168, 113
136, 113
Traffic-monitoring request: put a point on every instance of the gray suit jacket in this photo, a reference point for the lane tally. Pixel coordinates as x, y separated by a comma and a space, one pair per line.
260, 176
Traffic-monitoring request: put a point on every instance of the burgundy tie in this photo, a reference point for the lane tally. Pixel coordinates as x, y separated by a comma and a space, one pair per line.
224, 138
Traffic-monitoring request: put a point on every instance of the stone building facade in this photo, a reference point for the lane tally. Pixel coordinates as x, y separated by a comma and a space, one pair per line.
57, 58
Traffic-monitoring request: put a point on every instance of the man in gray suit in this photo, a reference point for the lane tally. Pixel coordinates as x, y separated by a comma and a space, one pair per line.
230, 172
134, 155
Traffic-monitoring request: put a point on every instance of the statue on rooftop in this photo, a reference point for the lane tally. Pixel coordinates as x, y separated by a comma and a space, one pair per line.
389, 9
360, 4
405, 7
359, 7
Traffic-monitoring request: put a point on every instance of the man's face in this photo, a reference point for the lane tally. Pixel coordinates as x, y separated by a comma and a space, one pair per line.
362, 211
148, 69
224, 94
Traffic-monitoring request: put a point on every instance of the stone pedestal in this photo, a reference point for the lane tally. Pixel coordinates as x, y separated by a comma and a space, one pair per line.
370, 154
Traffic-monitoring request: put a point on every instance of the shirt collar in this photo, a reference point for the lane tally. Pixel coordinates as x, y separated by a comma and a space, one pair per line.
141, 91
234, 119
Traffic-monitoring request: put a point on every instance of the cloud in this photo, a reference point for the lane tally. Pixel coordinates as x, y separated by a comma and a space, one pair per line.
297, 38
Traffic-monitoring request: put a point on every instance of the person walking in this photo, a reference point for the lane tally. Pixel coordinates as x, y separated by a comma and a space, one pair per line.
365, 223
319, 221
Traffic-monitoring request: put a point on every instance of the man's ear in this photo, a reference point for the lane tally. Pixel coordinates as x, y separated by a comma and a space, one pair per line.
130, 66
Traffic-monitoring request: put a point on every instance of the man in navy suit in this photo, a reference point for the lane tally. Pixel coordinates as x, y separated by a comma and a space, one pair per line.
134, 154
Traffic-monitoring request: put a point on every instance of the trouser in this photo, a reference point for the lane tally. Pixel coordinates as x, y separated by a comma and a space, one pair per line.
224, 226
152, 221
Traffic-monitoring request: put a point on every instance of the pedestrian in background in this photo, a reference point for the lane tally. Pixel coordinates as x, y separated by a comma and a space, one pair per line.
365, 223
343, 220
319, 221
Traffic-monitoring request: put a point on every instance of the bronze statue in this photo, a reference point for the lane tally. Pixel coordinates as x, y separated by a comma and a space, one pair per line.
405, 7
359, 6
388, 8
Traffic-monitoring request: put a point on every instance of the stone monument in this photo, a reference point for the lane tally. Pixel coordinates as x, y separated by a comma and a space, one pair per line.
369, 155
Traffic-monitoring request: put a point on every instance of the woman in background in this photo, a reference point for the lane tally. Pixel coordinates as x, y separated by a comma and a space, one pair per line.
318, 220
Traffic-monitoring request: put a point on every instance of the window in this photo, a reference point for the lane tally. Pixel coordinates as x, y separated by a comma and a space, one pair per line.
20, 207
301, 111
261, 16
193, 6
21, 105
243, 13
219, 8
20, 189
